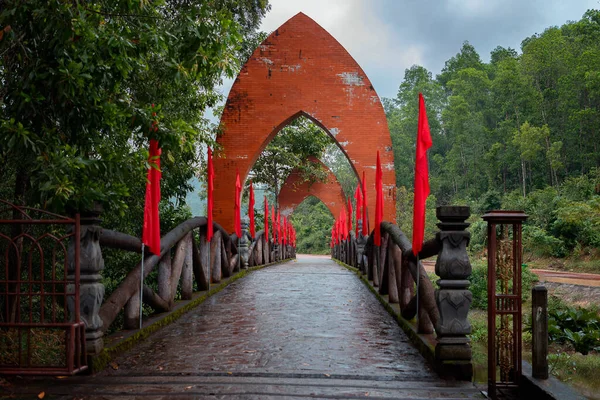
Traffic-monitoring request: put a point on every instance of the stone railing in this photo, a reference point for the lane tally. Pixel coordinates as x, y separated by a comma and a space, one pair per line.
186, 257
392, 269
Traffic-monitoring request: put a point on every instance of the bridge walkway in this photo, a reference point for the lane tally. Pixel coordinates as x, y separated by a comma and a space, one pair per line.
303, 329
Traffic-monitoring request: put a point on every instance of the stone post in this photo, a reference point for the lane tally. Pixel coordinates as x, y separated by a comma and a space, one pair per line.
244, 244
91, 289
453, 352
361, 241
539, 334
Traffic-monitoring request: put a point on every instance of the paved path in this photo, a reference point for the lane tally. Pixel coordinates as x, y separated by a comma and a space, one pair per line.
306, 328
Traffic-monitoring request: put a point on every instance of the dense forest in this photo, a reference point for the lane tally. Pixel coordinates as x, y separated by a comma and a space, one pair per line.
519, 132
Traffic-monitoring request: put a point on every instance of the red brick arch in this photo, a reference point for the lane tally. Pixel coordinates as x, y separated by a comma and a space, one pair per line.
301, 69
295, 190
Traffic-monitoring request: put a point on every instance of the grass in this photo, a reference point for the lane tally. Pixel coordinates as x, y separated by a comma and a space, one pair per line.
575, 369
586, 261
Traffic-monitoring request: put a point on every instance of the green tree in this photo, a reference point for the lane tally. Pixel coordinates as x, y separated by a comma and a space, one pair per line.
78, 83
291, 149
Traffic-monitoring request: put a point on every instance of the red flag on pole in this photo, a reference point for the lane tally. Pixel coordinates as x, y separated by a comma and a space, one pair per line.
332, 236
251, 210
273, 224
365, 227
238, 205
378, 202
266, 219
151, 230
421, 178
278, 222
358, 198
209, 204
349, 217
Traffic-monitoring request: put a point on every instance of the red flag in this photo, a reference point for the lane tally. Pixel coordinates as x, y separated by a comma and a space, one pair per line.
151, 230
378, 202
278, 222
284, 238
365, 227
251, 210
266, 219
349, 216
421, 178
358, 197
273, 223
332, 235
237, 207
209, 203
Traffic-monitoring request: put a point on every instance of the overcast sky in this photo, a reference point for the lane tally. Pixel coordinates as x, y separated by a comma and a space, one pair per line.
387, 36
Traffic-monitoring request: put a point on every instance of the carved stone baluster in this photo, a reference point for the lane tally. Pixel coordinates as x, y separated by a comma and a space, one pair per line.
453, 298
244, 244
91, 289
361, 241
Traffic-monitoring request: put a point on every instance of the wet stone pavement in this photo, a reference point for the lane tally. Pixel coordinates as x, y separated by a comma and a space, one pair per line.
304, 329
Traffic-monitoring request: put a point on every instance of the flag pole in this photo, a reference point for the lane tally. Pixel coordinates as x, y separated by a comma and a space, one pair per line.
418, 281
142, 285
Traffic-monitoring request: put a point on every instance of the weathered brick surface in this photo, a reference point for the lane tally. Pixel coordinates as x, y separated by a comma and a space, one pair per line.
300, 69
295, 190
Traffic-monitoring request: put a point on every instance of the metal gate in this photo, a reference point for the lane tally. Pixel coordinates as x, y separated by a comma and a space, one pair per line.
504, 299
41, 332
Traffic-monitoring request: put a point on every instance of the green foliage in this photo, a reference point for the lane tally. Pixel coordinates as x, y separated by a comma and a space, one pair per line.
478, 284
294, 147
520, 132
79, 81
578, 327
313, 223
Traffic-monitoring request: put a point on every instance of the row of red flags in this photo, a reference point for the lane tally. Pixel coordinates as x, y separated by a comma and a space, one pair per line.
285, 232
343, 224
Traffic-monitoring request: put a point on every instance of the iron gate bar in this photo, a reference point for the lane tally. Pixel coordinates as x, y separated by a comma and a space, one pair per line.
72, 341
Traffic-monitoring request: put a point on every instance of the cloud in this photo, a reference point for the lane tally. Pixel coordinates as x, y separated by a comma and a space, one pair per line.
386, 37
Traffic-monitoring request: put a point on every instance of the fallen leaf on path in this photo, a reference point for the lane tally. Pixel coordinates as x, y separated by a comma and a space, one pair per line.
229, 373
161, 368
41, 395
188, 387
114, 365
327, 375
62, 377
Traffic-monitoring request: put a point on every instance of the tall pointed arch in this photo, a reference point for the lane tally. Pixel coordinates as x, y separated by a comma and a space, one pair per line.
295, 190
301, 69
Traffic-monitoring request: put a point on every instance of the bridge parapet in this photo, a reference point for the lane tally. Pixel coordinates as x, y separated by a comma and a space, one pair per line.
186, 257
393, 270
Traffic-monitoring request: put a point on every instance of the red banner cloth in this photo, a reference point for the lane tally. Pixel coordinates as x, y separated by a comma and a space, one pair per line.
151, 230
421, 178
238, 205
332, 236
365, 227
358, 198
266, 219
209, 203
251, 210
278, 222
378, 202
284, 238
349, 227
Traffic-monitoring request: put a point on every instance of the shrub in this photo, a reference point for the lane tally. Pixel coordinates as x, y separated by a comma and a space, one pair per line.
478, 284
539, 243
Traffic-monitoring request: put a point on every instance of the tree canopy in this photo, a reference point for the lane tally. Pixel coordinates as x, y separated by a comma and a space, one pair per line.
86, 84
